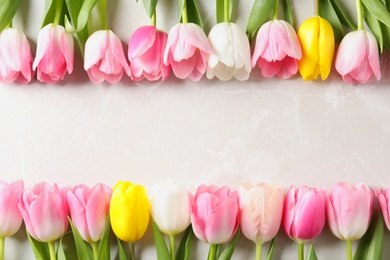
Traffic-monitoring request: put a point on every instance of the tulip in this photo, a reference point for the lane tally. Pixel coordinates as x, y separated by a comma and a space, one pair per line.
358, 57
88, 210
104, 58
231, 56
317, 42
129, 211
303, 215
45, 212
277, 50
261, 208
10, 217
214, 214
146, 49
55, 54
186, 51
384, 201
15, 57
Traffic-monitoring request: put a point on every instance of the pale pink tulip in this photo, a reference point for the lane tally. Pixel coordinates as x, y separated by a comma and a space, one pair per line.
384, 201
45, 211
358, 57
261, 208
55, 54
88, 210
146, 49
10, 217
277, 50
214, 214
349, 210
186, 51
15, 57
304, 213
104, 58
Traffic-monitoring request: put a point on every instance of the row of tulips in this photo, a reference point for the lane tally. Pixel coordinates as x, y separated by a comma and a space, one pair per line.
225, 53
215, 213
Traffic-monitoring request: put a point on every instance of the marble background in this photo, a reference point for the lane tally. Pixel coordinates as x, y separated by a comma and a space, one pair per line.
277, 131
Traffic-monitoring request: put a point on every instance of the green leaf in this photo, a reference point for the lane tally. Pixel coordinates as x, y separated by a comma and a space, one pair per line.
260, 12
60, 250
183, 253
287, 10
342, 15
378, 10
83, 249
271, 250
371, 244
193, 13
7, 12
74, 8
161, 246
220, 10
122, 254
228, 252
326, 11
311, 255
386, 36
40, 249
180, 6
374, 26
150, 7
50, 12
84, 13
104, 245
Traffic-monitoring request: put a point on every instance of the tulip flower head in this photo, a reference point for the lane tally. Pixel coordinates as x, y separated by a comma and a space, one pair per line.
277, 50
129, 211
104, 58
317, 42
303, 213
358, 57
170, 207
261, 208
15, 57
88, 210
45, 211
214, 214
55, 54
10, 217
349, 210
186, 51
231, 56
384, 201
146, 49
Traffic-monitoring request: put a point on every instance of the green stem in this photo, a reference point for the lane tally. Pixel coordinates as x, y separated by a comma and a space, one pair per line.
212, 252
172, 246
301, 248
259, 248
226, 11
132, 254
184, 15
276, 10
359, 14
153, 19
58, 14
95, 249
103, 9
2, 242
52, 251
316, 7
349, 250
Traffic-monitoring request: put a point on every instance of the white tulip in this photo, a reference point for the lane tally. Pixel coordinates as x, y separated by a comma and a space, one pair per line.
231, 55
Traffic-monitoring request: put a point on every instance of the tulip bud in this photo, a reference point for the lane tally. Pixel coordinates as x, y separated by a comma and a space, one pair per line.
10, 217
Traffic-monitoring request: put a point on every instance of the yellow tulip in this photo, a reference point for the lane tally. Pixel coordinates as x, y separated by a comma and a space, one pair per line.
129, 211
317, 42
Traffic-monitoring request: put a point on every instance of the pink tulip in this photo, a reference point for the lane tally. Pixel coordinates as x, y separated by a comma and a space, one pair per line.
304, 213
186, 51
146, 48
277, 50
358, 58
88, 210
104, 58
261, 208
349, 210
45, 211
15, 57
214, 214
10, 217
384, 201
55, 54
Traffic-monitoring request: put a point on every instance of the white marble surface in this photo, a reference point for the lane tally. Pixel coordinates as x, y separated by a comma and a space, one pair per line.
277, 131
